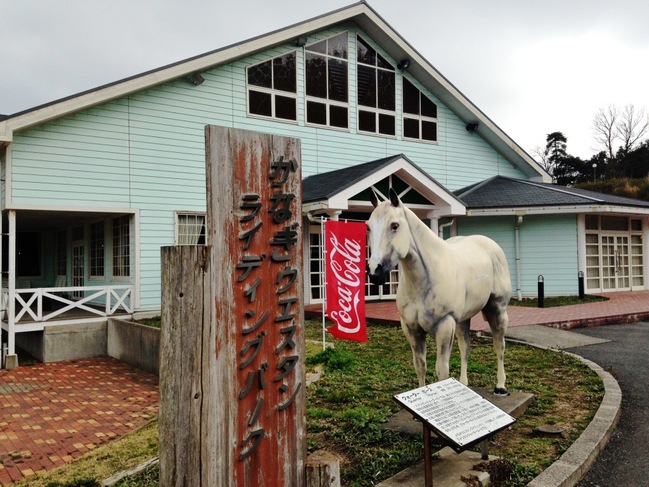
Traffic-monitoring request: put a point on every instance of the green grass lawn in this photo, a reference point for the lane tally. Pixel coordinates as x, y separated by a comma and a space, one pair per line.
347, 407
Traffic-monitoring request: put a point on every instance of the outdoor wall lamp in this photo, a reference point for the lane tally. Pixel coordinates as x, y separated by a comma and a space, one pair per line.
196, 78
404, 64
472, 126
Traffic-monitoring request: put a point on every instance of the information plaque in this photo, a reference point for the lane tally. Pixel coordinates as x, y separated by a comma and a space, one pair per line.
455, 413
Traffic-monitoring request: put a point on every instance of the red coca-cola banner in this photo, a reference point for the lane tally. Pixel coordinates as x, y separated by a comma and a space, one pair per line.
345, 267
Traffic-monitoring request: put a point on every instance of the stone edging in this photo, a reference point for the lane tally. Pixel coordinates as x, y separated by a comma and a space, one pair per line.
568, 470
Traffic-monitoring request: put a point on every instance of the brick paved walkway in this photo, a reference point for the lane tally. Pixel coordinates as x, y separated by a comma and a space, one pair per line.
621, 307
53, 413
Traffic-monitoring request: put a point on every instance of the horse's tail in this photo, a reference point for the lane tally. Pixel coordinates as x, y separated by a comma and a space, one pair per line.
502, 280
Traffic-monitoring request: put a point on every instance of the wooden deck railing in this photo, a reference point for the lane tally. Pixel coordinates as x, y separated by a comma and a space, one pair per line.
97, 300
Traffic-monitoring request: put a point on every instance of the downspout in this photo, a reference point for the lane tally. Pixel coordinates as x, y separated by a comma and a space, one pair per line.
440, 230
519, 222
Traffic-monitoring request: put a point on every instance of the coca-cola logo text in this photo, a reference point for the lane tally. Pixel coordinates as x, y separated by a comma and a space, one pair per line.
344, 263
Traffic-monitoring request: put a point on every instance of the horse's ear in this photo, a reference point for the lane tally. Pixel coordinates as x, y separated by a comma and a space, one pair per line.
374, 199
394, 198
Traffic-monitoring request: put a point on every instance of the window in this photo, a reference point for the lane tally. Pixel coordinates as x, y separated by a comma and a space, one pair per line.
97, 249
376, 91
419, 114
272, 88
121, 246
326, 82
190, 229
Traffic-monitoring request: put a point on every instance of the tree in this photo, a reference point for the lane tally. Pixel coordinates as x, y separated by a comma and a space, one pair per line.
631, 127
636, 163
628, 126
555, 149
566, 170
542, 158
605, 129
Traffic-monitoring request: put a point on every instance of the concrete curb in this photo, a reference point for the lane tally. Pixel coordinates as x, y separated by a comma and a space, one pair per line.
569, 469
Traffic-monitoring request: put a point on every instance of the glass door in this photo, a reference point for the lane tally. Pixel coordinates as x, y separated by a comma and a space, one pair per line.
615, 262
78, 267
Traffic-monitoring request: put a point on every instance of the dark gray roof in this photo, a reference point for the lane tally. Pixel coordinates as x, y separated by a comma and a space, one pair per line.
323, 186
503, 192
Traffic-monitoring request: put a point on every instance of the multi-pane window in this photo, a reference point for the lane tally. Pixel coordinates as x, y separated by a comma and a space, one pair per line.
121, 246
614, 253
419, 114
190, 229
272, 88
376, 91
326, 82
97, 249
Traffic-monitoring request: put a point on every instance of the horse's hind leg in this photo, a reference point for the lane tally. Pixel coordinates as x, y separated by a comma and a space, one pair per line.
416, 336
463, 340
496, 314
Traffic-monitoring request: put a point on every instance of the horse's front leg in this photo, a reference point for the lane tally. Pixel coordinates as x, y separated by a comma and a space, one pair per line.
463, 339
444, 333
416, 336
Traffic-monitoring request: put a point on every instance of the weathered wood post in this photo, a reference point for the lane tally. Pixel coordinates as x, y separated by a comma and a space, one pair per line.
188, 387
255, 402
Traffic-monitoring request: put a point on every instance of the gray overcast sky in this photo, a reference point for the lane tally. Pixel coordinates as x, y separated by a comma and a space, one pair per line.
533, 67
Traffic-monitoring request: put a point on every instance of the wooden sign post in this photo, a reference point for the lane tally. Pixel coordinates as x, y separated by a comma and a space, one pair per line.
255, 403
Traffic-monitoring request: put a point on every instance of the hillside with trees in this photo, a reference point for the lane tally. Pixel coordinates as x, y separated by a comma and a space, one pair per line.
621, 167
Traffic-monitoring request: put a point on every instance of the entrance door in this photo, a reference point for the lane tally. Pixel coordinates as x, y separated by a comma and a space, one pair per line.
615, 262
78, 267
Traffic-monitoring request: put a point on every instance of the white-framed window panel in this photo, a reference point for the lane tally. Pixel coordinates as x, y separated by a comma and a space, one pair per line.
316, 275
97, 250
614, 253
375, 88
190, 228
272, 88
326, 82
419, 114
122, 246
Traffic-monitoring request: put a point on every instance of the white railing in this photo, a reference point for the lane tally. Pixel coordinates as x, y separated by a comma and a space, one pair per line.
97, 300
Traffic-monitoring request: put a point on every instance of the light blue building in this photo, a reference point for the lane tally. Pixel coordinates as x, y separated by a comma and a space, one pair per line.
94, 184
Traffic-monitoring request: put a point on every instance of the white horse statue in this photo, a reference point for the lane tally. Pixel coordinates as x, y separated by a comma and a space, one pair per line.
442, 285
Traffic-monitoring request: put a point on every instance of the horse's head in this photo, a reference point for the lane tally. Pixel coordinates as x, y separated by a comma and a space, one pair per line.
389, 237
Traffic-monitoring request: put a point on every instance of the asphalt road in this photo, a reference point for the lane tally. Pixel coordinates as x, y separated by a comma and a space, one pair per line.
625, 459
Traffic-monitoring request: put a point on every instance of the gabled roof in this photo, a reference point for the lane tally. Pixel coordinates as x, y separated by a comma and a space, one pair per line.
336, 190
360, 13
501, 194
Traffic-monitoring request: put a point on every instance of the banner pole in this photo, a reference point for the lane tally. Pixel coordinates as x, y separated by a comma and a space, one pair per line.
324, 280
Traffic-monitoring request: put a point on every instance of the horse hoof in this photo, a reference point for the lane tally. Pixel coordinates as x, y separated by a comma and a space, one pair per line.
500, 391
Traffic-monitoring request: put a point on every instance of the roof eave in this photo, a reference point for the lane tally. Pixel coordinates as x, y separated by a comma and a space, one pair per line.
554, 210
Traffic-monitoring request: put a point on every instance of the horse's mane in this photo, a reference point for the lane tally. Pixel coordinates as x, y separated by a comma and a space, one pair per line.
416, 224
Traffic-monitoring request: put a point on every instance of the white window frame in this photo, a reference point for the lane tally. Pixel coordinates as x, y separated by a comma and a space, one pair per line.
195, 226
121, 248
418, 117
91, 255
273, 92
375, 110
327, 102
